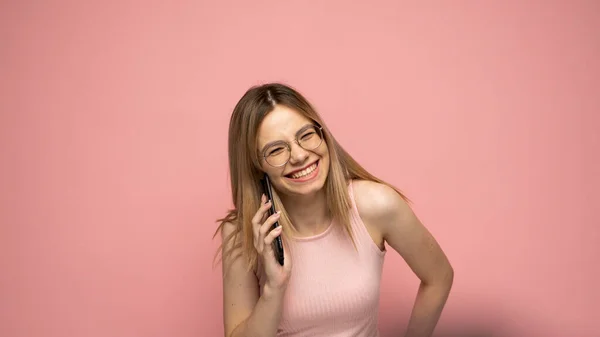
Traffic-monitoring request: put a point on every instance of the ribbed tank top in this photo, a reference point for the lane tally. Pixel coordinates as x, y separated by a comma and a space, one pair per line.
334, 288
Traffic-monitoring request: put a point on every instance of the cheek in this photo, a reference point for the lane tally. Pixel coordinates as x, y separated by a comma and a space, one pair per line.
325, 159
324, 152
268, 169
273, 172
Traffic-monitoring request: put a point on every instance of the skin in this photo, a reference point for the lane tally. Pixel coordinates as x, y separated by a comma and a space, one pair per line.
388, 218
386, 215
305, 202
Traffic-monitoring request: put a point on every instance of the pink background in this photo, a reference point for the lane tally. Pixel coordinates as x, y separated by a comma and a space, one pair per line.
114, 166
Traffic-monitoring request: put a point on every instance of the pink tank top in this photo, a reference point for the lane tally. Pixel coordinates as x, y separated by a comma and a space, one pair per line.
334, 288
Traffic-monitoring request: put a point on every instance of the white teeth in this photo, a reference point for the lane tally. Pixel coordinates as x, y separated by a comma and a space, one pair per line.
305, 172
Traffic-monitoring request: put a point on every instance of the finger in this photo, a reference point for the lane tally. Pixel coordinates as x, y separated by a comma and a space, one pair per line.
264, 228
265, 216
261, 212
272, 235
259, 216
268, 250
255, 228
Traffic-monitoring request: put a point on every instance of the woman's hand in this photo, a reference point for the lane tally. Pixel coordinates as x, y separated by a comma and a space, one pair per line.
277, 275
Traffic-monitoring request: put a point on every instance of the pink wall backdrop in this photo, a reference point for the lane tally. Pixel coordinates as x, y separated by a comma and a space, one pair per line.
113, 126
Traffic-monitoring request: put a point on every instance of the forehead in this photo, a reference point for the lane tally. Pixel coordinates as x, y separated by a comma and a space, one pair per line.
280, 124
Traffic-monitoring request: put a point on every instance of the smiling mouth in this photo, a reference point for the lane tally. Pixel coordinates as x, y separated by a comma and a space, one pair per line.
303, 173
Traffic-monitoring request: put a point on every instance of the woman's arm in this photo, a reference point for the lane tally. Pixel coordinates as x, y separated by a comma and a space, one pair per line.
245, 313
385, 211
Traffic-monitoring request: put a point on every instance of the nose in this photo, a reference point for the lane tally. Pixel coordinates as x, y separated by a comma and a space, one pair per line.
297, 154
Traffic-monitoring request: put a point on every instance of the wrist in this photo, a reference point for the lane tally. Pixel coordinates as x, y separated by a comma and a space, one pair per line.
273, 292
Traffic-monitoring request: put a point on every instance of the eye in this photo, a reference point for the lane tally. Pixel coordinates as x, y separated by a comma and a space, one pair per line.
307, 135
275, 151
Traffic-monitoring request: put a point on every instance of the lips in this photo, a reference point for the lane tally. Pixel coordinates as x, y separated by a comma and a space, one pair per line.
298, 174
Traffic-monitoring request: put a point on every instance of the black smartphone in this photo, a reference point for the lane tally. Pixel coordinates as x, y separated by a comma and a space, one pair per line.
277, 244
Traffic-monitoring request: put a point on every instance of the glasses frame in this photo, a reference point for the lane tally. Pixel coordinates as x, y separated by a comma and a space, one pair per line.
289, 146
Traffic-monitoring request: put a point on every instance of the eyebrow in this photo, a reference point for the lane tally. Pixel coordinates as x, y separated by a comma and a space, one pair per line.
303, 128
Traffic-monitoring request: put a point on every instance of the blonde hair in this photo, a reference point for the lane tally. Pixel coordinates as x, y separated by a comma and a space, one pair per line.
245, 172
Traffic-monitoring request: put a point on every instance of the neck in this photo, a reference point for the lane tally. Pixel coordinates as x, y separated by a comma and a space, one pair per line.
308, 213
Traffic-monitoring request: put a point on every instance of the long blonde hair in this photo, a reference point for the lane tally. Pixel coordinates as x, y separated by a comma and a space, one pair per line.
245, 172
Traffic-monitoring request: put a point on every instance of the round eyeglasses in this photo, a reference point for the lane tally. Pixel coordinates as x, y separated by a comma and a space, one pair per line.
309, 138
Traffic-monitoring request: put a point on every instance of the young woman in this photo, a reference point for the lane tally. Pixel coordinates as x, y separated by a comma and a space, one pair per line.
336, 219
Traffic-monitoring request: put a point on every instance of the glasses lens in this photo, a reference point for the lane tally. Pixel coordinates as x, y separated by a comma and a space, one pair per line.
277, 154
310, 138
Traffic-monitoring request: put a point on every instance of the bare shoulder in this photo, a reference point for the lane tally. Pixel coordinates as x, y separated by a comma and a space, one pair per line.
384, 210
240, 285
232, 245
379, 204
228, 237
228, 229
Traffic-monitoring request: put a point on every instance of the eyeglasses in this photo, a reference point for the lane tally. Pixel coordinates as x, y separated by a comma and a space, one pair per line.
308, 138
